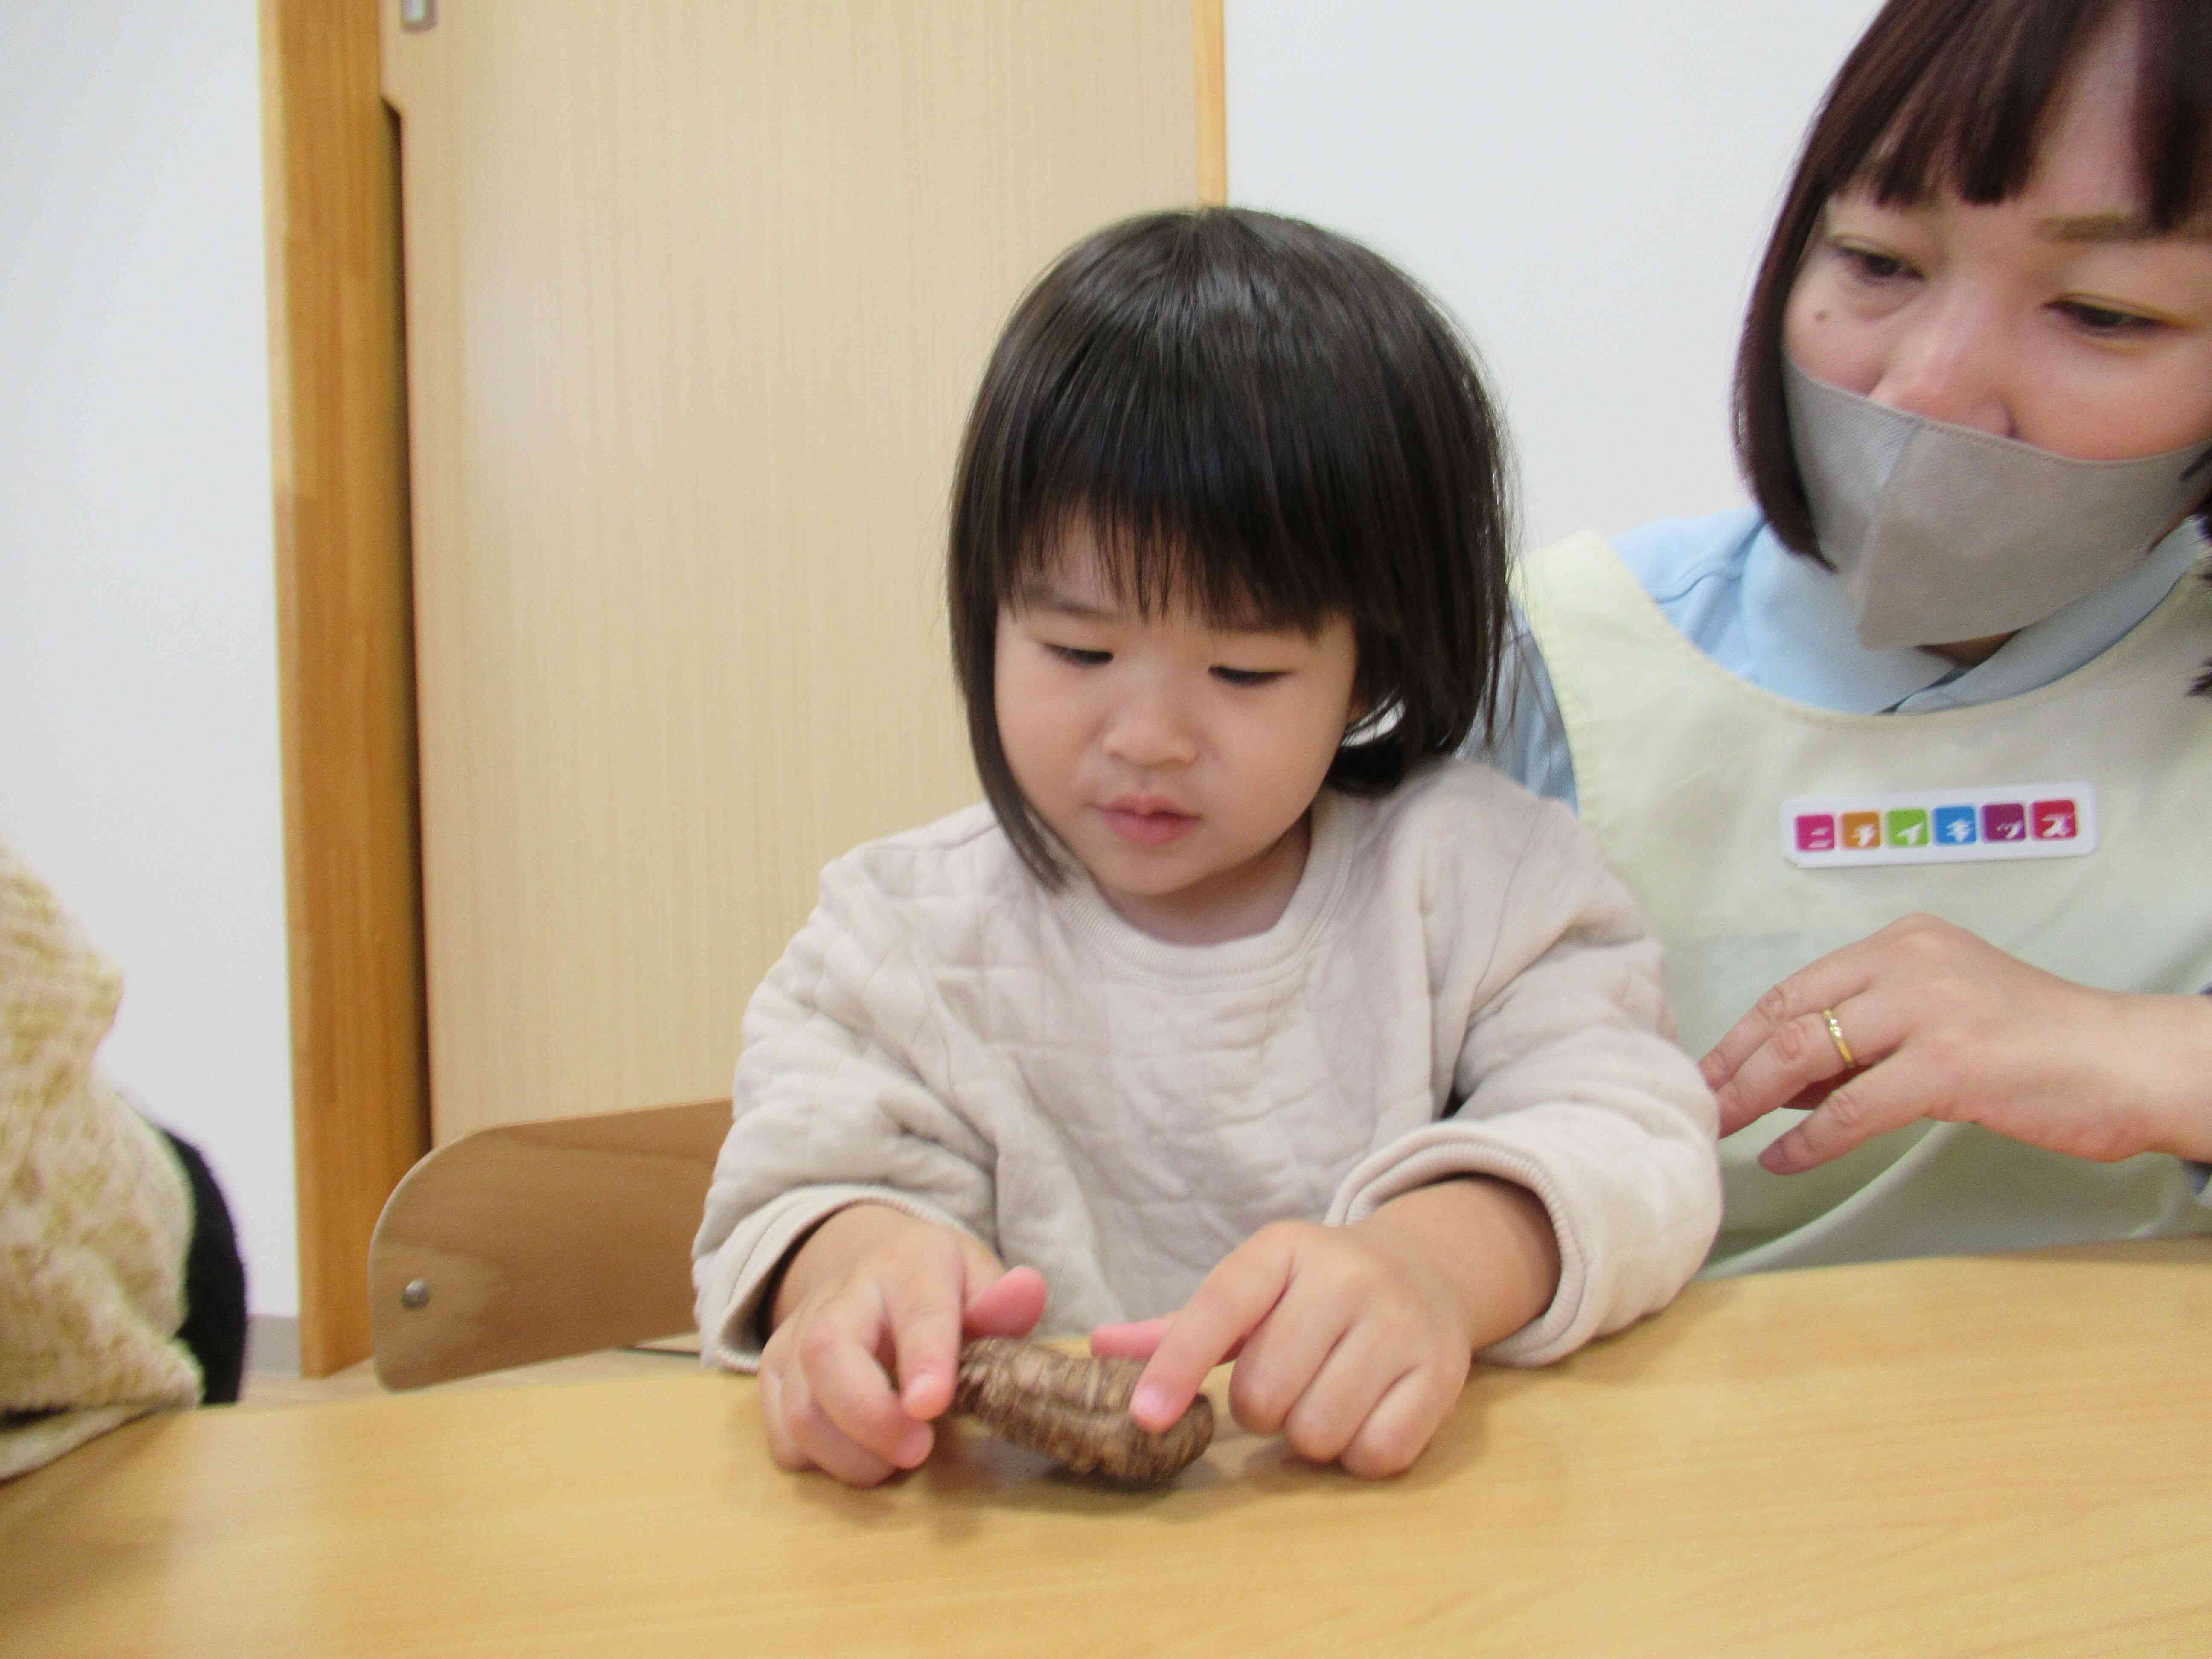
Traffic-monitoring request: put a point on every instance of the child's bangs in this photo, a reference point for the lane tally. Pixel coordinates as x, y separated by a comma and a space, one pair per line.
1147, 568
1971, 109
1169, 484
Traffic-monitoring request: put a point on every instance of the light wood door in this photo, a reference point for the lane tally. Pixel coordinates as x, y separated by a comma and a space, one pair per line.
697, 292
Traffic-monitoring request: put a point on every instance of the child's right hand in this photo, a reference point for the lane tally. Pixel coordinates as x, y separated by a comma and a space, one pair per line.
868, 1324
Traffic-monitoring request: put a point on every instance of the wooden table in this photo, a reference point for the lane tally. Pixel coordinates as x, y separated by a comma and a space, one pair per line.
2011, 1455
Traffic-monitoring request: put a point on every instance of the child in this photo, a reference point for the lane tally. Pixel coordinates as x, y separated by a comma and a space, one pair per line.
1241, 1008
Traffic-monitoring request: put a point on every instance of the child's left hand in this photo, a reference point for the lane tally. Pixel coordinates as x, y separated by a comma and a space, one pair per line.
1353, 1342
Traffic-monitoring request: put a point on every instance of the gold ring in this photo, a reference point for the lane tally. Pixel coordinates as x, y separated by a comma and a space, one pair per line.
1836, 1035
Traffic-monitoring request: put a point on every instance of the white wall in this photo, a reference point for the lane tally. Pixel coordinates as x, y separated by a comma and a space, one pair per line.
1587, 183
138, 740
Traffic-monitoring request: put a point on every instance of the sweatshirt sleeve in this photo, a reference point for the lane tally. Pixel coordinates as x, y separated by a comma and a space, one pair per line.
1568, 1084
840, 1098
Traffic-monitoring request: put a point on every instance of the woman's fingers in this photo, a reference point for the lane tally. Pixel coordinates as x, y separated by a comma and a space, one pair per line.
1872, 1103
1876, 991
1924, 1020
1807, 1055
1827, 983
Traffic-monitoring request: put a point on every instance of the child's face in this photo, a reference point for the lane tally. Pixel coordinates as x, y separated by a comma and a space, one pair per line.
2057, 317
1174, 759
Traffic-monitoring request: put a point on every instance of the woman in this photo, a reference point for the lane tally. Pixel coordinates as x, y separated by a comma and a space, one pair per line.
1974, 401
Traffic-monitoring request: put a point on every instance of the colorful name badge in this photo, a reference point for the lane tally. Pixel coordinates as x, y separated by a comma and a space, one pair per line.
1941, 826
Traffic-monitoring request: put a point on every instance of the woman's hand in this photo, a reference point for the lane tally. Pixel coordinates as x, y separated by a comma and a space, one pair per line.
1941, 1024
869, 1320
1353, 1342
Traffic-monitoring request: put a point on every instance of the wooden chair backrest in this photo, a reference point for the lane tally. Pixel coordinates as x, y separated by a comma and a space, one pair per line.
531, 1241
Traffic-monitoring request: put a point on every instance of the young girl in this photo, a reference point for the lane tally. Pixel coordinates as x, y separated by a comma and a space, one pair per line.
1240, 1008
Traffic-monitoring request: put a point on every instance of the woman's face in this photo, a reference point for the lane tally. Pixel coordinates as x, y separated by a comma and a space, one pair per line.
2057, 317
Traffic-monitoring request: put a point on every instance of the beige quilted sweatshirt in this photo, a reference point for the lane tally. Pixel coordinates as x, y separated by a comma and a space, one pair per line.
1458, 986
96, 1213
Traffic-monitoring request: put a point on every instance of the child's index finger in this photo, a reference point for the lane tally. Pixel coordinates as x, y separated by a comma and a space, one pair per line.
1227, 1308
925, 1390
849, 1386
926, 1342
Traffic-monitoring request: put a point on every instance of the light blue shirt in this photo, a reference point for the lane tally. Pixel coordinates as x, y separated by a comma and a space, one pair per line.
1785, 623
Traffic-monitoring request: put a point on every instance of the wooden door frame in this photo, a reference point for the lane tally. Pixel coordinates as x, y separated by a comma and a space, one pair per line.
345, 650
1211, 59
345, 631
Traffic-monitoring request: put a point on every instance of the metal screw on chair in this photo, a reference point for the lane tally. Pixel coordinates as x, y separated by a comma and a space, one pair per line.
415, 1293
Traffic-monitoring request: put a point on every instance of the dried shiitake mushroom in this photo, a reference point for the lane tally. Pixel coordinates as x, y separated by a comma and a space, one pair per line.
1075, 1409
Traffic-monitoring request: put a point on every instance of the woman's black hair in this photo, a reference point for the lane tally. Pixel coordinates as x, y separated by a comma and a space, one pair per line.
1266, 423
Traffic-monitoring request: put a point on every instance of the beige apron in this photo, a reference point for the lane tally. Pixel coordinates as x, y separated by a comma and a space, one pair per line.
1682, 770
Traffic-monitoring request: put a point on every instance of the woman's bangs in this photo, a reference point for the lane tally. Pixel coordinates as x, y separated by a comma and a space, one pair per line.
1971, 115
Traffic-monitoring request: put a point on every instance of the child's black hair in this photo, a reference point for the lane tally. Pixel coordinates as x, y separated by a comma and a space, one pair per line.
1263, 420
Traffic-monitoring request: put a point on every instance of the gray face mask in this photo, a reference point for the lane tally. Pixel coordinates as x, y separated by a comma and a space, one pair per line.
1941, 533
